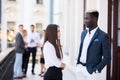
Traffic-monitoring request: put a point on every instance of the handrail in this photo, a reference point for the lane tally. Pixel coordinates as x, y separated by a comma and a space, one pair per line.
6, 66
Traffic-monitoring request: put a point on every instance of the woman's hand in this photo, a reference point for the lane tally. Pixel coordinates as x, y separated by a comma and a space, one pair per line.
62, 65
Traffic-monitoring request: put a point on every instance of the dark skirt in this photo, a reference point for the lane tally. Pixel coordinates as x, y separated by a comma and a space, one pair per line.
53, 73
42, 60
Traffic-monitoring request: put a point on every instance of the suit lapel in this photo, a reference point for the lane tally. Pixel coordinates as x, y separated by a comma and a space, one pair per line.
82, 39
83, 36
95, 35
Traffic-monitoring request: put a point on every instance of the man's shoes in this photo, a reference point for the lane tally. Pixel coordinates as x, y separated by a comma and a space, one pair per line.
24, 76
19, 77
33, 73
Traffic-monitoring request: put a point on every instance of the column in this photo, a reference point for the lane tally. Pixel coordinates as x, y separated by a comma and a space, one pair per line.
47, 11
103, 14
72, 32
79, 17
28, 13
3, 29
91, 4
51, 10
20, 10
66, 24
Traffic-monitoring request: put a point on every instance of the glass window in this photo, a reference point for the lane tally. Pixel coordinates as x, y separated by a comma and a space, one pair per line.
39, 27
10, 34
39, 2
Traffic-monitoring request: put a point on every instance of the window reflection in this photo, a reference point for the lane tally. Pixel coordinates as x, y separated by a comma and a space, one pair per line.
39, 27
10, 38
39, 2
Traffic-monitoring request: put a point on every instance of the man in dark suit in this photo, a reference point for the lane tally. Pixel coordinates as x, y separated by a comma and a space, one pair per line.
94, 52
19, 50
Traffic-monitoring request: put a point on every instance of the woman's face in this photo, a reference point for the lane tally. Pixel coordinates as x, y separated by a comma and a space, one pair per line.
43, 33
58, 32
24, 33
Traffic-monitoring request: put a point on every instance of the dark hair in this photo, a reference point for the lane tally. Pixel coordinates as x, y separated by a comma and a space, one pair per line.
51, 36
20, 25
94, 13
32, 25
44, 30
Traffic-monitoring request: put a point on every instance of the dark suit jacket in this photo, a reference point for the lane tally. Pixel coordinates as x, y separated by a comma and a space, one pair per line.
98, 53
19, 44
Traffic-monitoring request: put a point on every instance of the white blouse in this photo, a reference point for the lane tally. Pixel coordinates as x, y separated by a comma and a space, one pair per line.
50, 56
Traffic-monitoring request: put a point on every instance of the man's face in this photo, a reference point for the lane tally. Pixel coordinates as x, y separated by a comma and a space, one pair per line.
88, 20
20, 28
32, 28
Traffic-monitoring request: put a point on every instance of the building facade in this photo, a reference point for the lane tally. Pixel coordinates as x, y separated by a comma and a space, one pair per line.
26, 12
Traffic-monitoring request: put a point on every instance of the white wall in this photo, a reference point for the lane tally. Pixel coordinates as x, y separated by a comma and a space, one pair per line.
20, 11
91, 4
27, 13
47, 11
102, 7
73, 26
103, 11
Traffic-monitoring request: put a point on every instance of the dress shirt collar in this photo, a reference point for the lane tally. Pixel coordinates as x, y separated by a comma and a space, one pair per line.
92, 31
20, 32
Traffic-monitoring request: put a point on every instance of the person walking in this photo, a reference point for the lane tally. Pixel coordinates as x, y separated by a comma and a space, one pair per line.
19, 50
53, 54
95, 51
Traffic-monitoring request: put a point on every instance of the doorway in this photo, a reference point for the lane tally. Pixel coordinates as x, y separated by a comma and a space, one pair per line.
114, 32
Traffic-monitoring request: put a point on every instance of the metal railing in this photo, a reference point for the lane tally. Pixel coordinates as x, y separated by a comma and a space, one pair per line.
6, 66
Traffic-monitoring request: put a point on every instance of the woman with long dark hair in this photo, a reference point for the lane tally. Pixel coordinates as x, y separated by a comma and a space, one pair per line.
53, 53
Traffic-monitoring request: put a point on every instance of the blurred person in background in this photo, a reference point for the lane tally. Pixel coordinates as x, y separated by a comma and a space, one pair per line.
25, 55
33, 39
42, 61
19, 50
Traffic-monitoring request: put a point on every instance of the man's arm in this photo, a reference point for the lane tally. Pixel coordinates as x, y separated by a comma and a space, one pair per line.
106, 50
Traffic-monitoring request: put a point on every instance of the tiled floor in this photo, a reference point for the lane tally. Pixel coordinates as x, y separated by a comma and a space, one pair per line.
67, 74
33, 77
